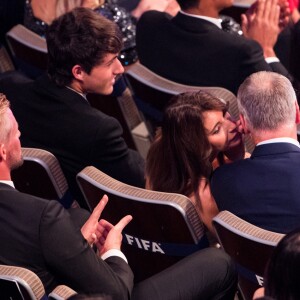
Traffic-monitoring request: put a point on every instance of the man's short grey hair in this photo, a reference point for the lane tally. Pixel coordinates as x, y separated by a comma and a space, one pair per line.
5, 123
267, 101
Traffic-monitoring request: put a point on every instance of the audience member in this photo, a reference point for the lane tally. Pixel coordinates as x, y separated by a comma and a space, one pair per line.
53, 112
40, 13
285, 47
281, 280
196, 132
45, 238
264, 189
191, 48
282, 273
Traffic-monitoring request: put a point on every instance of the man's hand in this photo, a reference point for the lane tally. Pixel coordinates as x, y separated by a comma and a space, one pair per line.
261, 23
109, 236
159, 5
88, 230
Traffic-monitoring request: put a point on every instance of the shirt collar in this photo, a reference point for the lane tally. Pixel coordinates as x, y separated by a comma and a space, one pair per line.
280, 140
81, 94
8, 182
215, 21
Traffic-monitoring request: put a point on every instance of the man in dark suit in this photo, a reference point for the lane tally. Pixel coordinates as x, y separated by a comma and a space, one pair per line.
42, 236
55, 243
264, 189
53, 111
192, 48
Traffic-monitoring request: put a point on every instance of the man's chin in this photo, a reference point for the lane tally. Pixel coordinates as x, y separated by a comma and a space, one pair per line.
106, 92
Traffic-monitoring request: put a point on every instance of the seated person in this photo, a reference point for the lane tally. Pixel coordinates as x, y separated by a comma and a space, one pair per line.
40, 13
49, 240
281, 280
191, 48
196, 134
287, 45
264, 189
53, 112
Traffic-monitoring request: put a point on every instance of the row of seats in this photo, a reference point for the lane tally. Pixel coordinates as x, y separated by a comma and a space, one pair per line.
152, 242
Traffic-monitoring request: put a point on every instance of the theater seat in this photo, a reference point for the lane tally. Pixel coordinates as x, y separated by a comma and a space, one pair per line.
41, 176
165, 227
28, 49
249, 246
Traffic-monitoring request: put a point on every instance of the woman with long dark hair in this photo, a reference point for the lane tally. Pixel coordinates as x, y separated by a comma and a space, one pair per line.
196, 135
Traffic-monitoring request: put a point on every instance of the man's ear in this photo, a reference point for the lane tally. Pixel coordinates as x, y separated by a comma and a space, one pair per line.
3, 152
244, 124
78, 72
297, 121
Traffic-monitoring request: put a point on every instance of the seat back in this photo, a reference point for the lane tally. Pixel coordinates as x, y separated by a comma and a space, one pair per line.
5, 62
18, 283
28, 49
164, 229
61, 292
249, 246
153, 92
41, 176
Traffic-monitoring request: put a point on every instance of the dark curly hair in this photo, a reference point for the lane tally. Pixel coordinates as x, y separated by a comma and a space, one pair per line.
80, 37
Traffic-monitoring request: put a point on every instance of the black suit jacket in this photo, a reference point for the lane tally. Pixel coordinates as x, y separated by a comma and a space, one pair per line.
264, 189
42, 236
61, 121
194, 51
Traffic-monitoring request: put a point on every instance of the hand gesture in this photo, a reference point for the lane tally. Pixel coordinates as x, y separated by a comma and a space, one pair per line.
88, 230
261, 23
109, 236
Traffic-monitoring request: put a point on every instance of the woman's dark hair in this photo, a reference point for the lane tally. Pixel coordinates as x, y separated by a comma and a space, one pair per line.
180, 153
80, 37
283, 270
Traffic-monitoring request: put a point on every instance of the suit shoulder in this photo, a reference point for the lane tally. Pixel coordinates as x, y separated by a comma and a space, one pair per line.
28, 202
153, 17
240, 42
150, 14
230, 168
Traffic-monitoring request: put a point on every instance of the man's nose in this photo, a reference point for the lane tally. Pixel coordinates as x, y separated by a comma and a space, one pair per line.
119, 68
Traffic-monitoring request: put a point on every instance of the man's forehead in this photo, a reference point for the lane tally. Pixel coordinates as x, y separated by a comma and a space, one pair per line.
109, 57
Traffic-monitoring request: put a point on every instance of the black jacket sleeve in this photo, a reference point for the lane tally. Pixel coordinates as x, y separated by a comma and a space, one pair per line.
74, 263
